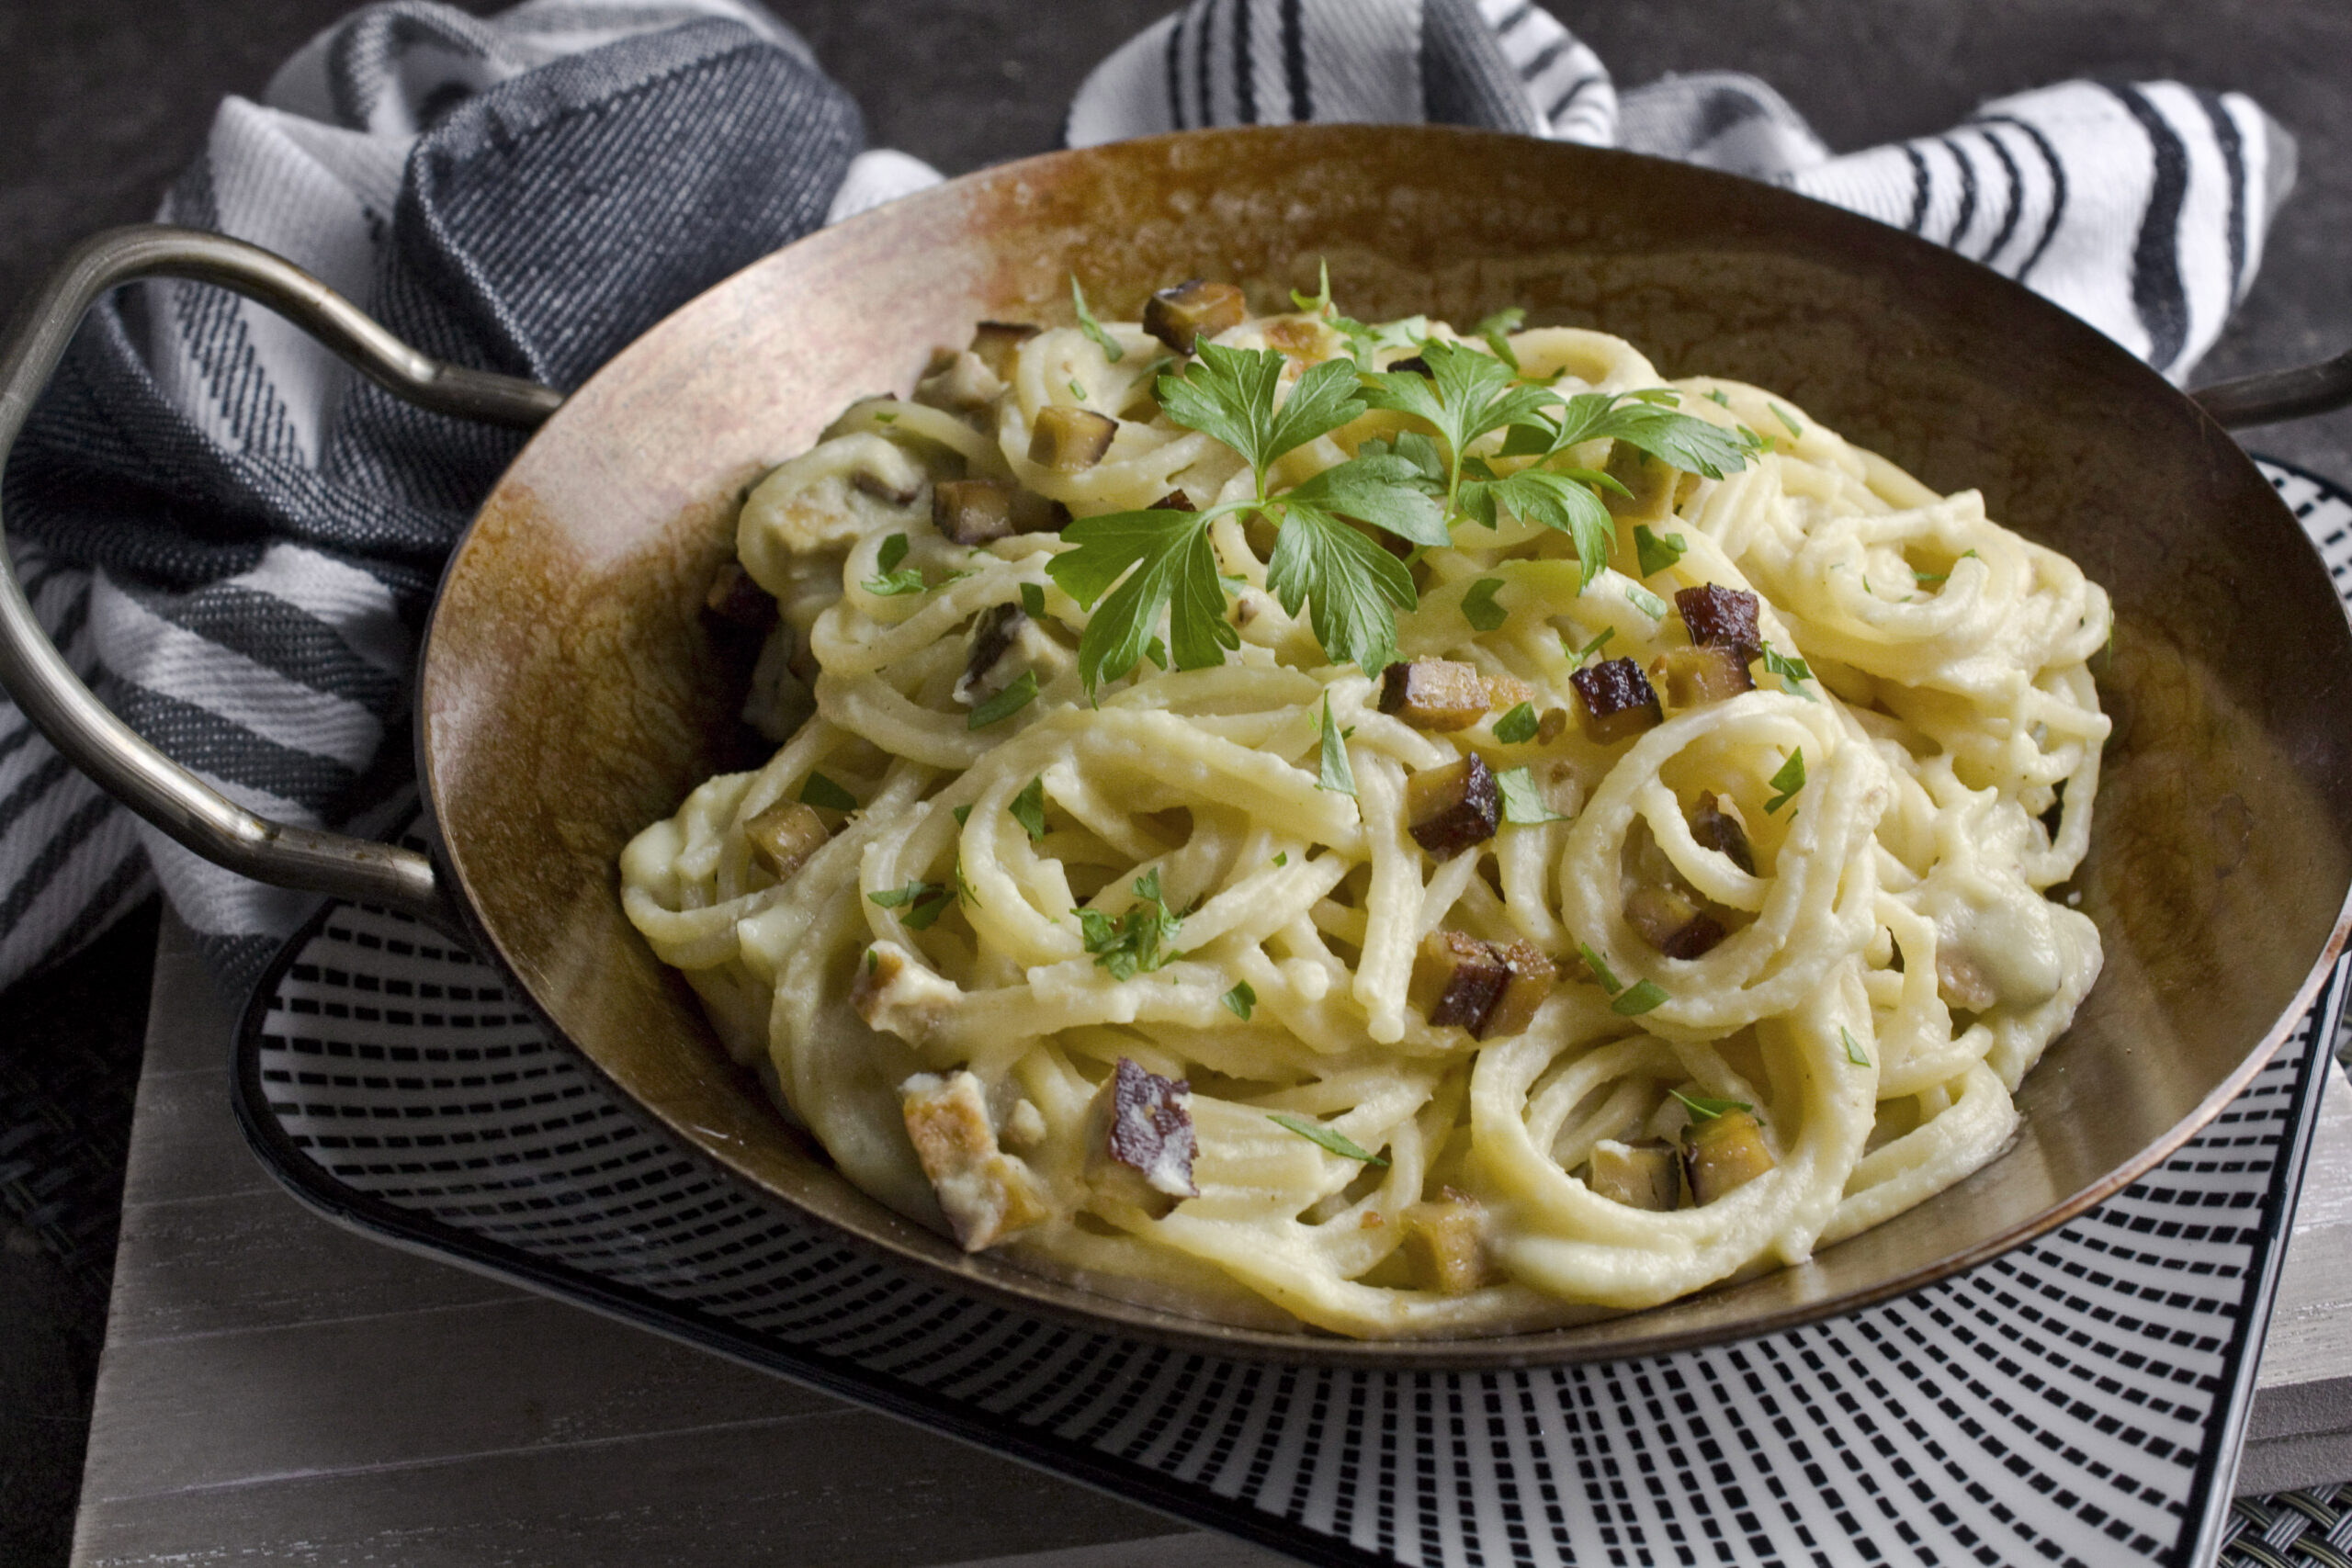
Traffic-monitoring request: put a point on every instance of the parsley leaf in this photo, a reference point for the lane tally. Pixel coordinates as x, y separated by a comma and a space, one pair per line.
1175, 572
1357, 587
818, 790
1033, 600
923, 903
1282, 858
1657, 551
1336, 775
1601, 970
1019, 695
962, 813
1560, 499
1028, 808
1136, 943
1229, 393
1719, 398
1788, 780
1854, 1052
1092, 328
1639, 419
1478, 606
1786, 418
907, 579
893, 551
1382, 488
1336, 1142
1638, 999
1703, 1108
1523, 799
1517, 727
1320, 302
1242, 999
1794, 672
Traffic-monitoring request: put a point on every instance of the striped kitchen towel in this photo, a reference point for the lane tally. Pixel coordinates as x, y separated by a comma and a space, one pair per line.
235, 538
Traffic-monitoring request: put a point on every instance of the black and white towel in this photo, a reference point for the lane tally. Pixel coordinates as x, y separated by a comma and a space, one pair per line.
235, 538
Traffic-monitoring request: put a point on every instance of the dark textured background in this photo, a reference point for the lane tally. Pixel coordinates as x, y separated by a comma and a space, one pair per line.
101, 101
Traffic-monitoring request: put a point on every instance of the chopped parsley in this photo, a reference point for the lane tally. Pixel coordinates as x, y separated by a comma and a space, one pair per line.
1141, 940
922, 902
1336, 1141
892, 583
1788, 780
1336, 774
1703, 1108
1648, 602
1637, 999
1517, 727
1657, 551
1854, 1047
1005, 703
1092, 328
1478, 606
1579, 655
1240, 1000
1523, 799
1794, 672
1033, 600
1028, 808
1601, 970
1787, 419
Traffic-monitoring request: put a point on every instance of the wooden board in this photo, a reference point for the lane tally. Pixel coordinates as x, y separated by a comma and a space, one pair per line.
282, 1389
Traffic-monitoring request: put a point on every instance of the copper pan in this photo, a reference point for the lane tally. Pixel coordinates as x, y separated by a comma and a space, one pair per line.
571, 691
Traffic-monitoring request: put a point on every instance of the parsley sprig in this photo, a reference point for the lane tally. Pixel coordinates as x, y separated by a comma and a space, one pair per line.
1132, 570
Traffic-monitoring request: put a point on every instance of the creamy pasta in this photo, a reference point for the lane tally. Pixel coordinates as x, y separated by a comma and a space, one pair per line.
1763, 962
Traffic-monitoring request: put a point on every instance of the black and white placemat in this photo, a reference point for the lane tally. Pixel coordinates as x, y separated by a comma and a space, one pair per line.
2079, 1400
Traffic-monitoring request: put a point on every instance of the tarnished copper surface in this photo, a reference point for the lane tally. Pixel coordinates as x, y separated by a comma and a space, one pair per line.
571, 693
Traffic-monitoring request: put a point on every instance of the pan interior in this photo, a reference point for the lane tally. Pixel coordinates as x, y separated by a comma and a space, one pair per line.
572, 692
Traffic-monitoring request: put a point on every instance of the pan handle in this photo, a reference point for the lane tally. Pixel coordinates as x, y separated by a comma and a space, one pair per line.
114, 755
2277, 395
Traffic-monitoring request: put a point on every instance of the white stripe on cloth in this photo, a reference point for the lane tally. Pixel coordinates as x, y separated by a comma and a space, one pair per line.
356, 604
142, 648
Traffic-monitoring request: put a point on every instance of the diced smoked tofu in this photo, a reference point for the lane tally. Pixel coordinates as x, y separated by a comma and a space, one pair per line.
1181, 316
1434, 693
1722, 1153
1615, 702
1672, 920
1507, 692
986, 1194
1720, 831
784, 836
1643, 1175
1721, 617
1445, 1246
1139, 1139
1691, 677
1461, 981
1450, 809
972, 512
997, 343
960, 383
1071, 440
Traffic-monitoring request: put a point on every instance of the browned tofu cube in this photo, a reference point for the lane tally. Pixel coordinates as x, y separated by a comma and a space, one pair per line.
1721, 830
986, 1194
1721, 617
1643, 1175
1461, 981
1672, 920
1532, 975
1615, 702
1435, 693
1071, 440
784, 835
1181, 316
1445, 1246
1139, 1139
1693, 676
972, 512
1452, 808
997, 343
1722, 1153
